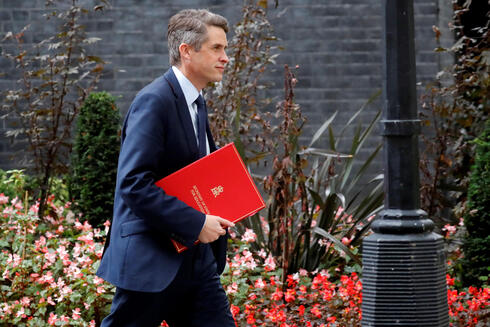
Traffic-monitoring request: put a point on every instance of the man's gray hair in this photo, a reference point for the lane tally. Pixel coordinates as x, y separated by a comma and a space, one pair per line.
190, 26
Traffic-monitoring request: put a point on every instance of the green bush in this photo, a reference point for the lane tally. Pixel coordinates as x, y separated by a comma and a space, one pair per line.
94, 159
476, 262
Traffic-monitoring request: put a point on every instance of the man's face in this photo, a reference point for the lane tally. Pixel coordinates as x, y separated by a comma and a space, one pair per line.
208, 64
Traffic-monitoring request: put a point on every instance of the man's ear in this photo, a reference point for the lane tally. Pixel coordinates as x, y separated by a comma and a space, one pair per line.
184, 50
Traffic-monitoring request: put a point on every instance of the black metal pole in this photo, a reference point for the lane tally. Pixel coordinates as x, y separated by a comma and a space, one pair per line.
403, 260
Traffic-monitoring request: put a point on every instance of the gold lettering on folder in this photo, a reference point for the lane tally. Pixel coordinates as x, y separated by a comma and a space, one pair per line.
217, 190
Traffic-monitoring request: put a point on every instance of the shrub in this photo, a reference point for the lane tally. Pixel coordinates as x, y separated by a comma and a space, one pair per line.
455, 109
476, 262
235, 103
94, 160
317, 198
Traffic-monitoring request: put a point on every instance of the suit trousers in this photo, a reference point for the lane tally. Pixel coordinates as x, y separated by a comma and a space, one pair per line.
195, 298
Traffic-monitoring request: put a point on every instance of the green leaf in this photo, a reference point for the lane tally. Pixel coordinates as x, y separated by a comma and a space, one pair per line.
324, 153
322, 129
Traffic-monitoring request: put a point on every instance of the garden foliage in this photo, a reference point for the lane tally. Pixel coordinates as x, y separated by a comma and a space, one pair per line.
314, 192
454, 110
55, 76
305, 186
234, 103
476, 262
303, 225
48, 267
47, 278
94, 158
328, 298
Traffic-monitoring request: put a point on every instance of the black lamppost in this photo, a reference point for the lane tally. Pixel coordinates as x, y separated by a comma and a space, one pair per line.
404, 268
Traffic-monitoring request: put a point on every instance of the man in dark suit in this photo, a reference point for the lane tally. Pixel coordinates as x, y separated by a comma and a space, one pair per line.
165, 129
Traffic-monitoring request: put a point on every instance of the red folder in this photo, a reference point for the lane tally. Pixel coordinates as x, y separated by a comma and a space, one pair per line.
218, 184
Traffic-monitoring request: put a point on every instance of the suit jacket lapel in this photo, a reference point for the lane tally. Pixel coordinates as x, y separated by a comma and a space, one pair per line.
183, 111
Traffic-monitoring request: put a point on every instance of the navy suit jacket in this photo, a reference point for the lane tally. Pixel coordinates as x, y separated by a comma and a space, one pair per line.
157, 139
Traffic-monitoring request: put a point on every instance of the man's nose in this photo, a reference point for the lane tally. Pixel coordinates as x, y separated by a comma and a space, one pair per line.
224, 58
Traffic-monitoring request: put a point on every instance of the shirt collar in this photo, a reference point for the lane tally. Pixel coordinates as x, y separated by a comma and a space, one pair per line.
189, 90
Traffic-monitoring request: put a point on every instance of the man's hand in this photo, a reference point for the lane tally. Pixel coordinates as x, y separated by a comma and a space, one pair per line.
213, 228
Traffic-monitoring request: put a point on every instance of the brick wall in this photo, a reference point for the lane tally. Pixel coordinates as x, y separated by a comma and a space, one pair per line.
336, 43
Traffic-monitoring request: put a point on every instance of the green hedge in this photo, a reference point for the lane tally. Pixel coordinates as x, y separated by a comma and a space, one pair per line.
94, 158
476, 247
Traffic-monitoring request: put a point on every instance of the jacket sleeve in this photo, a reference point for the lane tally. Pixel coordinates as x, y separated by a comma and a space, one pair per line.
142, 153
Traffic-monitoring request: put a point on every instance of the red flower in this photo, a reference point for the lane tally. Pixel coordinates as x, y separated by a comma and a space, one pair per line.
316, 311
290, 295
234, 310
277, 295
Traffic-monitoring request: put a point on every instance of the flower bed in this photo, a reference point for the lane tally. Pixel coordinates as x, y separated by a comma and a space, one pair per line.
320, 298
47, 278
48, 268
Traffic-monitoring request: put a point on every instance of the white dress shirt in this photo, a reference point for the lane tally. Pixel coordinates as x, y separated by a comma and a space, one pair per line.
190, 94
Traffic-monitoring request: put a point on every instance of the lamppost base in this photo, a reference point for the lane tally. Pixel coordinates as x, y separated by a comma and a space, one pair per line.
404, 281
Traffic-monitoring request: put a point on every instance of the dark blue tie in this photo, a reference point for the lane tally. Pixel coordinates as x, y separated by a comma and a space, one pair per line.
201, 125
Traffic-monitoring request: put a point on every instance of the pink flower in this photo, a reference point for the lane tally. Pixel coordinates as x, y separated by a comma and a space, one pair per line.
21, 313
262, 253
450, 229
270, 263
339, 212
233, 288
41, 242
46, 278
251, 264
25, 301
16, 203
97, 280
106, 225
50, 300
63, 254
73, 271
6, 274
52, 319
323, 242
76, 314
14, 259
3, 199
259, 283
249, 236
50, 259
345, 240
87, 238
